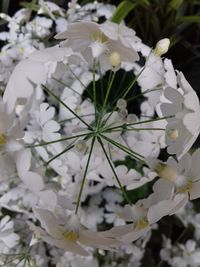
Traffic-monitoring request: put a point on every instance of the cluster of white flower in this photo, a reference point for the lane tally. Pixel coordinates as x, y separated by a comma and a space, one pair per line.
66, 143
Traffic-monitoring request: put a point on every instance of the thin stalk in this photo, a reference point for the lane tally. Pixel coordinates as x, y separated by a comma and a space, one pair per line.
82, 116
68, 108
123, 126
84, 176
61, 82
94, 89
58, 140
123, 148
114, 172
84, 86
107, 95
59, 154
136, 129
141, 94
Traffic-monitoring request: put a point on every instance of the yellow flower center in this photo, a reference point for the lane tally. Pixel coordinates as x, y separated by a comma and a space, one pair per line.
99, 37
2, 139
186, 188
166, 172
173, 134
142, 223
71, 236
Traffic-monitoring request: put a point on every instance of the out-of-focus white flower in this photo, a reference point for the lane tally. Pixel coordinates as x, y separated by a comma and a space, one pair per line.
31, 72
8, 239
50, 9
99, 42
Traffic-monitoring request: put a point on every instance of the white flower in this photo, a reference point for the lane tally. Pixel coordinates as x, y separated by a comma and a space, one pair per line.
31, 72
184, 175
96, 41
7, 235
183, 129
67, 233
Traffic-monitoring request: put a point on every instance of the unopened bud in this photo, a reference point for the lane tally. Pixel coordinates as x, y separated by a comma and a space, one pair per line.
121, 104
115, 59
162, 47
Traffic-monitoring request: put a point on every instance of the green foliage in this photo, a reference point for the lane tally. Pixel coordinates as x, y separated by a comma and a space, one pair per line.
122, 11
4, 5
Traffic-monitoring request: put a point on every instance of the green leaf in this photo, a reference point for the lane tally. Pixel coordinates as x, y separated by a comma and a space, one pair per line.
175, 4
5, 6
122, 11
189, 19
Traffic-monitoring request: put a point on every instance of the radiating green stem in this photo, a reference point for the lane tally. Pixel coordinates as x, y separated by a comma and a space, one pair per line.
131, 153
114, 172
58, 140
68, 108
61, 82
106, 97
94, 89
84, 175
59, 154
136, 129
84, 86
123, 126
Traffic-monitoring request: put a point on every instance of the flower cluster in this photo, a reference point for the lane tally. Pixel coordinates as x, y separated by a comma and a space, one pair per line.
83, 126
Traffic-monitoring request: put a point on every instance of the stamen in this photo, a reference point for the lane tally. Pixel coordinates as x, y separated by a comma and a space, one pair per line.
142, 223
166, 172
2, 139
71, 236
173, 134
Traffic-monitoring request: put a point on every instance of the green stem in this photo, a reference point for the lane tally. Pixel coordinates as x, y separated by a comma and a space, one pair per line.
59, 154
114, 172
85, 87
68, 87
68, 108
123, 126
69, 119
94, 89
58, 140
84, 176
131, 153
136, 129
107, 95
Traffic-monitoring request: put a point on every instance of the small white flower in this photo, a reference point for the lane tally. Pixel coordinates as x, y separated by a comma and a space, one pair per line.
100, 42
67, 233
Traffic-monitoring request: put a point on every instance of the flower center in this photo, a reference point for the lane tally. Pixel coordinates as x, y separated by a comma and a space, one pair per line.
2, 139
173, 134
99, 37
71, 236
142, 223
185, 188
166, 172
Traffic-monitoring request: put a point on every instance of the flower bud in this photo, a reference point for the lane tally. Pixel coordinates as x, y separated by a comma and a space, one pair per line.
115, 59
121, 104
162, 47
